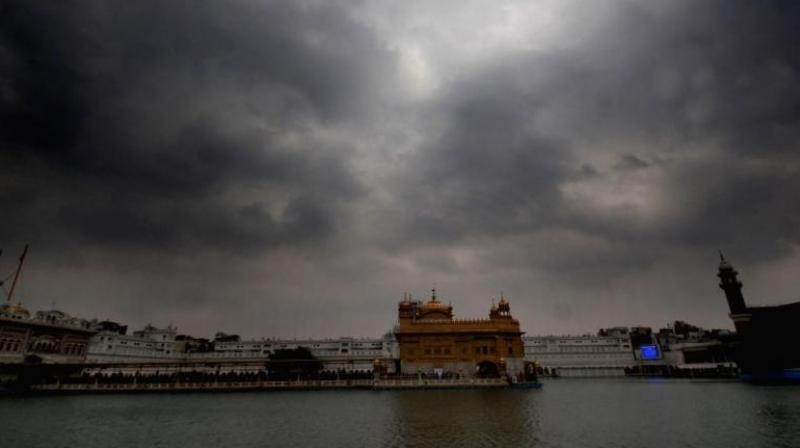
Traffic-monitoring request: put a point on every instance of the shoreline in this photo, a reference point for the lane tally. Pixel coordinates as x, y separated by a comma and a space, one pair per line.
364, 384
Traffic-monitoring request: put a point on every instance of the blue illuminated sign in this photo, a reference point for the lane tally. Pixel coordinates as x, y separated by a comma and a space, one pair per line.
649, 352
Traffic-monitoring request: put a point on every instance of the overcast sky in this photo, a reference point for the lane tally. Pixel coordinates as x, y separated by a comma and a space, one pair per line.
290, 169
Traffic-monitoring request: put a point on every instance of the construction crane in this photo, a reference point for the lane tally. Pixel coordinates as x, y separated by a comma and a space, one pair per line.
16, 274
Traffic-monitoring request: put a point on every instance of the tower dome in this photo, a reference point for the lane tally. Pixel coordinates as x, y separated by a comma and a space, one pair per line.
723, 263
16, 311
436, 309
503, 309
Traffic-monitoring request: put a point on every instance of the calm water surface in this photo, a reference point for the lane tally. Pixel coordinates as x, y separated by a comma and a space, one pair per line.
565, 413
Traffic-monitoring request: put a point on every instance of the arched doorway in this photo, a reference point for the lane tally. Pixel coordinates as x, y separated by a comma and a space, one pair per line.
488, 369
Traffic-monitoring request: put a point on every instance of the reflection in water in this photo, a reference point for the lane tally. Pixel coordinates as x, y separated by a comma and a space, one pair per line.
617, 413
466, 418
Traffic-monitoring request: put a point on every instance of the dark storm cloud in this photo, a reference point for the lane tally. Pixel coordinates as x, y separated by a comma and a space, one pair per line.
487, 173
701, 92
177, 125
747, 207
354, 151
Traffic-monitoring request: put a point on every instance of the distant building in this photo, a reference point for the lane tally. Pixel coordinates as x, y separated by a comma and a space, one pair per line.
150, 344
432, 342
641, 336
615, 332
680, 349
582, 356
347, 354
14, 312
190, 344
49, 337
56, 317
687, 347
153, 345
224, 337
110, 327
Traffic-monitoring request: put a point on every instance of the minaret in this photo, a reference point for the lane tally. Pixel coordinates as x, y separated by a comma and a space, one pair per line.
731, 285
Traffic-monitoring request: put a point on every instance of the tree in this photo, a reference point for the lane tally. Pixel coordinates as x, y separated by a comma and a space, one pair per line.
291, 364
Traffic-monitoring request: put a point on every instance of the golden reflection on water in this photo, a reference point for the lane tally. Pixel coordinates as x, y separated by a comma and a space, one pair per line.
466, 418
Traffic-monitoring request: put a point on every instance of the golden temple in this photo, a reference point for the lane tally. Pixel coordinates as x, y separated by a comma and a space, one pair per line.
432, 342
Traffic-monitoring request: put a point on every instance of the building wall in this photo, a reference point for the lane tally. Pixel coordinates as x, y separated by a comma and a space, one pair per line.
52, 343
149, 344
456, 353
158, 345
580, 355
347, 354
432, 342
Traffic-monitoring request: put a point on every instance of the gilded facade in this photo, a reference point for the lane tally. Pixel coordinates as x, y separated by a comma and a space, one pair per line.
432, 342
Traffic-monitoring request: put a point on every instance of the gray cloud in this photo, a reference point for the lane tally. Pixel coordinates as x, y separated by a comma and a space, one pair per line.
631, 162
148, 120
667, 84
321, 158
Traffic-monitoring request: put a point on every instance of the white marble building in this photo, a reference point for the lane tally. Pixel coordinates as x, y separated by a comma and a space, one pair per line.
580, 356
155, 345
150, 344
342, 353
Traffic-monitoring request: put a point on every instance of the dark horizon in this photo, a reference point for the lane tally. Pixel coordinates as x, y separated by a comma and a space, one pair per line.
282, 169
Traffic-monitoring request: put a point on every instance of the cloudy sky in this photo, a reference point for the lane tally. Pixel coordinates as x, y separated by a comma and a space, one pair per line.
290, 169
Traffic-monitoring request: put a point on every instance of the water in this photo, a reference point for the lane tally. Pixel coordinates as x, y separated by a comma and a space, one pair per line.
565, 413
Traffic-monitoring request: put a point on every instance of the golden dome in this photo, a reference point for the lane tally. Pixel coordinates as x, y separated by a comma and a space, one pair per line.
434, 306
17, 309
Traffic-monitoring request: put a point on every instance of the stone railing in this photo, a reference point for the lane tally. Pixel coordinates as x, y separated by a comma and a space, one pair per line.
389, 383
435, 383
